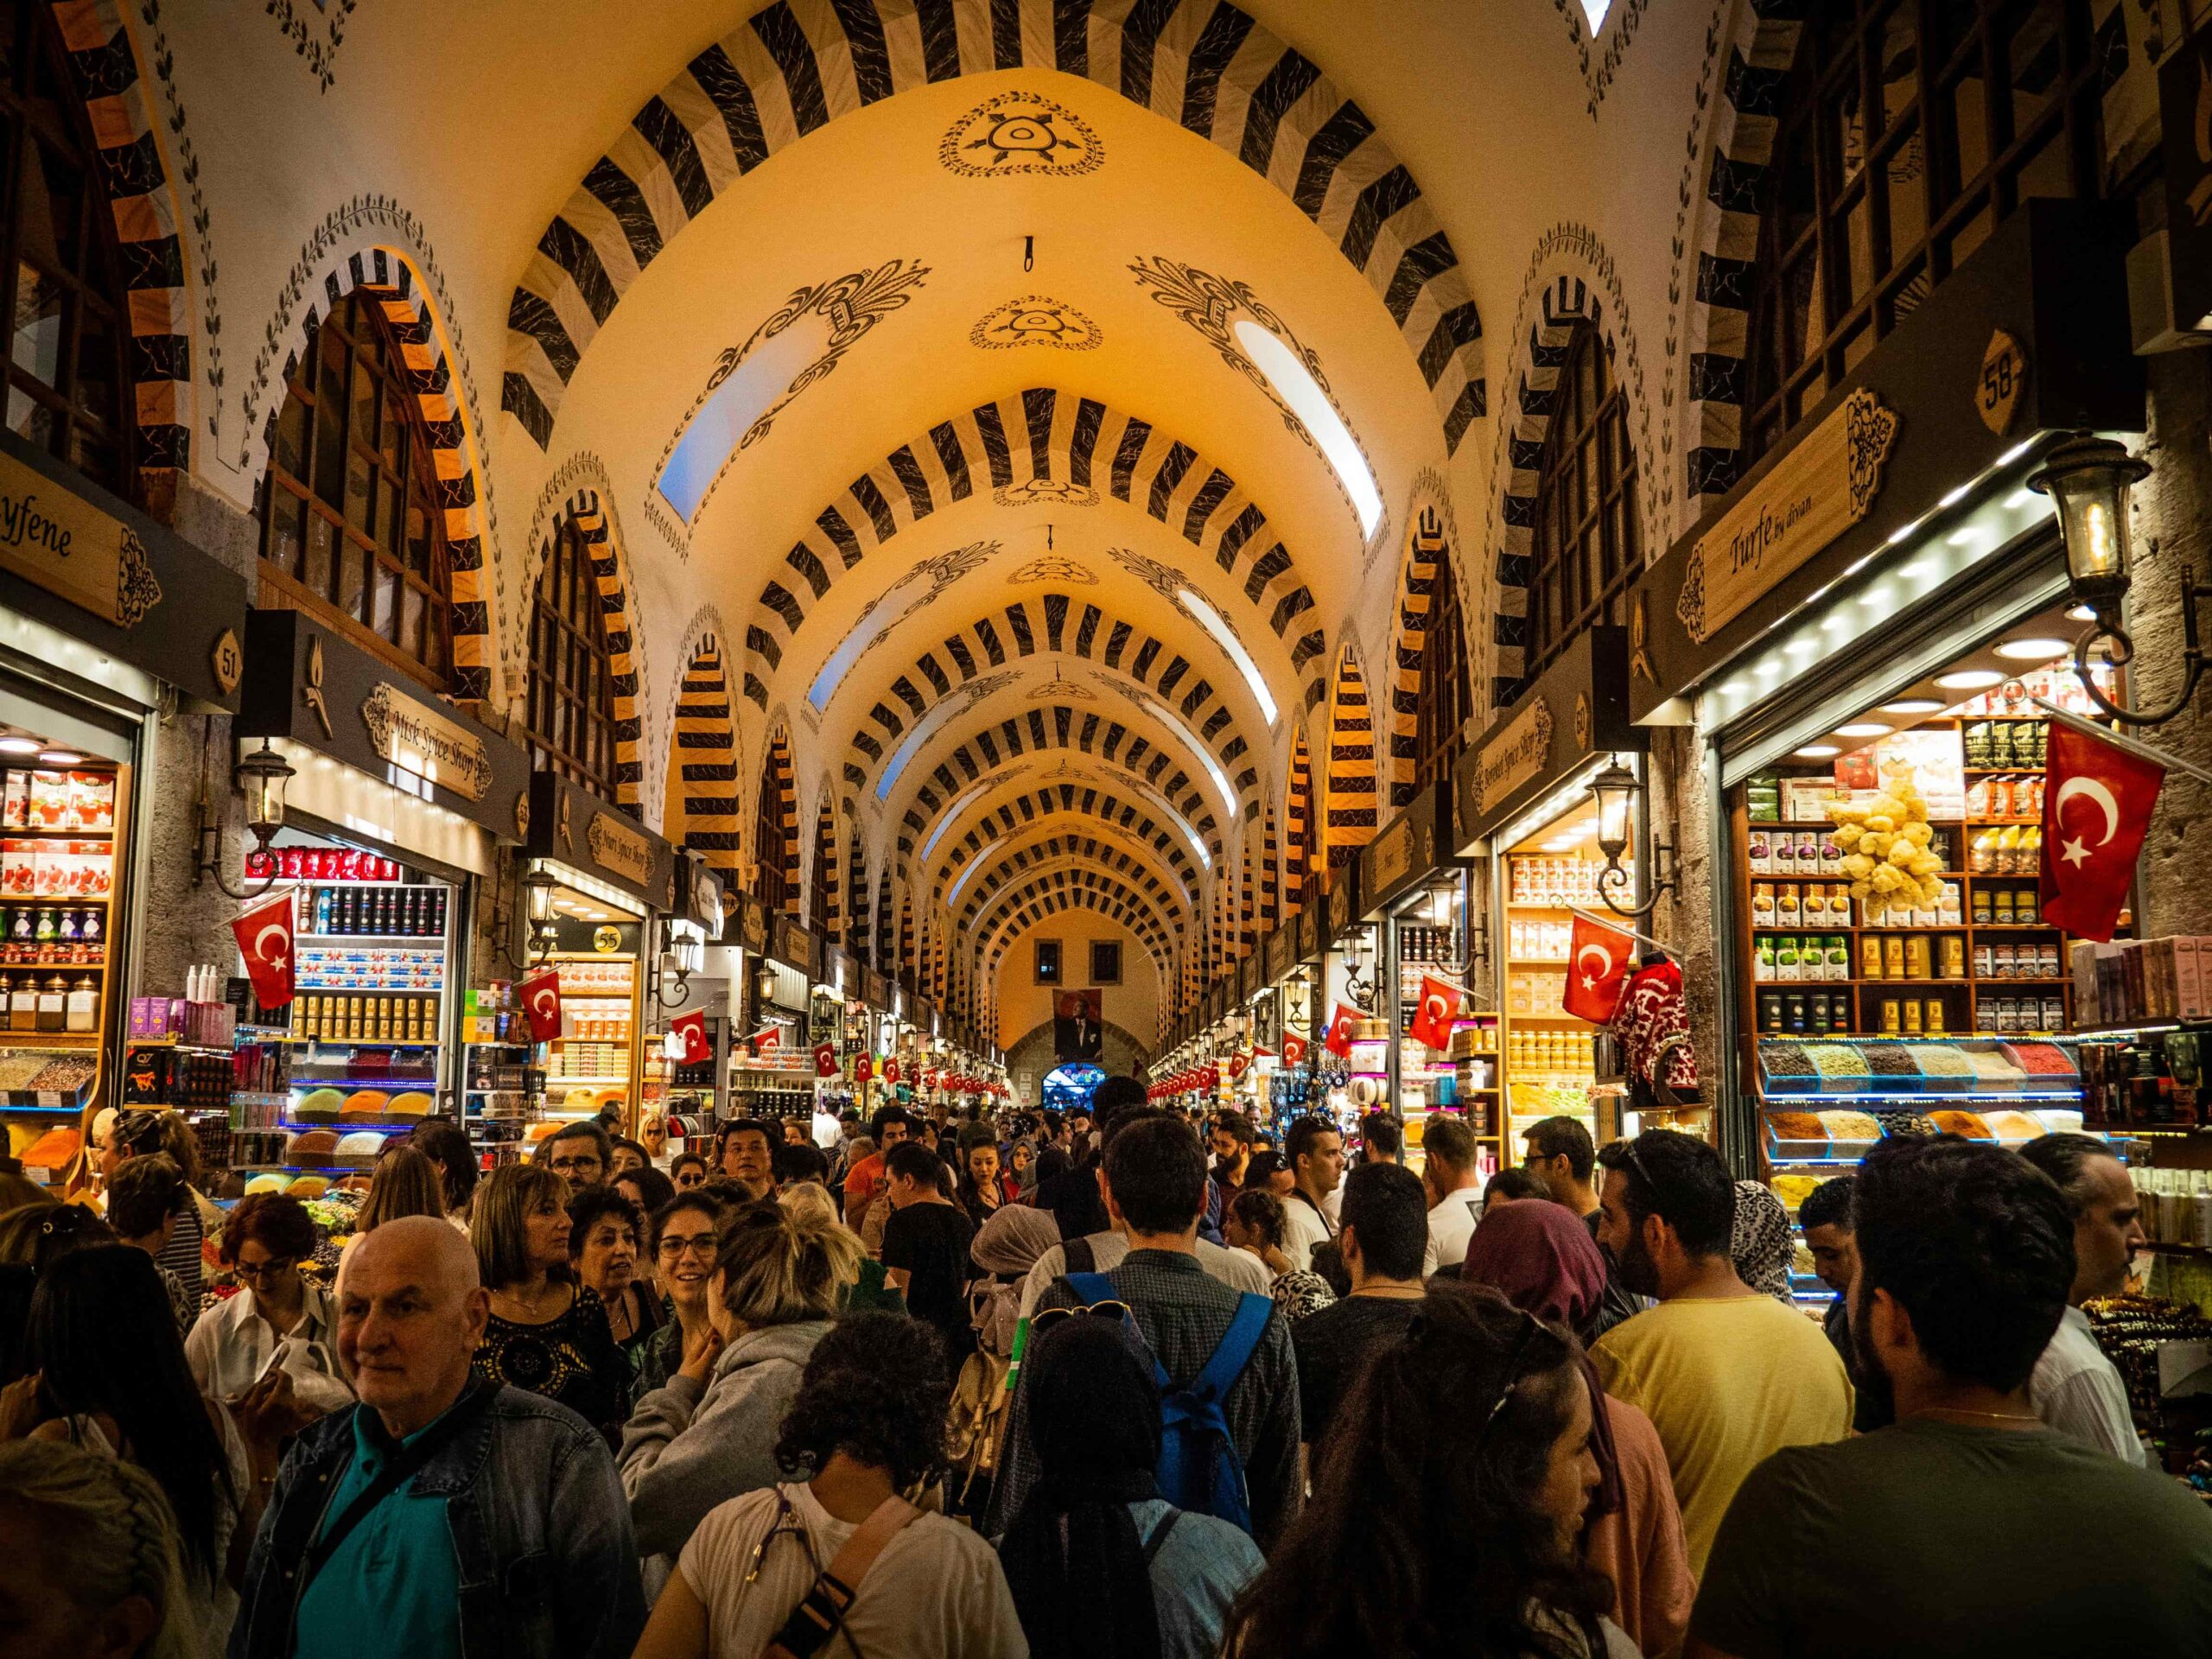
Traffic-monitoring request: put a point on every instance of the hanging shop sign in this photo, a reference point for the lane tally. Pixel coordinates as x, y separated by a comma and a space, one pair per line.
416, 738
308, 684
699, 899
793, 946
877, 989
2185, 115
751, 917
1517, 752
570, 823
2027, 339
1280, 953
87, 562
1344, 908
1589, 682
1247, 981
1405, 851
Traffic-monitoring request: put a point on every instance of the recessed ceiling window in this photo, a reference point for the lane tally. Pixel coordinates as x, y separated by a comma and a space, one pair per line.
1212, 621
1595, 11
1295, 385
717, 428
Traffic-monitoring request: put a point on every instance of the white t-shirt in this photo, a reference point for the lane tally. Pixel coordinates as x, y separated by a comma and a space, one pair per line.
1303, 1228
2077, 1391
935, 1593
1451, 1224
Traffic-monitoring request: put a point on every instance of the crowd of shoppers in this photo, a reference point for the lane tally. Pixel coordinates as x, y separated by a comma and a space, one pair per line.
1562, 1412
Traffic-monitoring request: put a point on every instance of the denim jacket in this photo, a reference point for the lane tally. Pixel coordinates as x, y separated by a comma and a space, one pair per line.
540, 1533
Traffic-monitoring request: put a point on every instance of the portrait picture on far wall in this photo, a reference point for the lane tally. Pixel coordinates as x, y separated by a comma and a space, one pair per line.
1079, 1024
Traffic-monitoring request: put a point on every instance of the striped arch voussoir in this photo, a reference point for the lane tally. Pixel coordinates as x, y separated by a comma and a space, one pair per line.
1042, 445
1086, 803
797, 65
1088, 856
1351, 820
707, 767
585, 510
1427, 549
1566, 301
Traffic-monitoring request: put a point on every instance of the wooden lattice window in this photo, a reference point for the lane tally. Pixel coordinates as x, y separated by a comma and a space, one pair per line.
1586, 550
351, 522
69, 375
1907, 133
1444, 700
571, 703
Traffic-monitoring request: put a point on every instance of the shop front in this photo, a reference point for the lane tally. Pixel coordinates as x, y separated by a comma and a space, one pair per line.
1522, 801
597, 884
392, 822
108, 622
1865, 638
1415, 895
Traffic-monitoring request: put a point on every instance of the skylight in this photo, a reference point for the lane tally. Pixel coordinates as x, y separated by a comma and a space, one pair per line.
873, 622
720, 424
1595, 10
900, 756
1297, 387
1225, 637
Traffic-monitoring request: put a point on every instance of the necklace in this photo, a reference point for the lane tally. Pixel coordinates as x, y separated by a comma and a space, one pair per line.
1967, 1411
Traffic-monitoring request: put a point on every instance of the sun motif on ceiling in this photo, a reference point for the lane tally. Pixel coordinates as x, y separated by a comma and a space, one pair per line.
1018, 132
1035, 320
1046, 493
1053, 569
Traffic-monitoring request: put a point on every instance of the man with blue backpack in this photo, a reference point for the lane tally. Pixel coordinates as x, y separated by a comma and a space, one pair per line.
1221, 1358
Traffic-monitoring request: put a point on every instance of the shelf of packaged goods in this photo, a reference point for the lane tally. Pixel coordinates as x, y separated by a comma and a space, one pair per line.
1920, 1097
36, 831
420, 941
581, 1077
420, 1085
57, 900
1572, 1019
355, 1042
1889, 985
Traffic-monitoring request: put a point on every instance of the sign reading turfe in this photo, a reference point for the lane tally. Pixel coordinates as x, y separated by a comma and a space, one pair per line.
1813, 494
72, 548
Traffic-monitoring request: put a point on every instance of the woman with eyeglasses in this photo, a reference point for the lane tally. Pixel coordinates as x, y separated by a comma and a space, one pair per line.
685, 1232
276, 1318
1447, 1504
603, 1252
546, 1333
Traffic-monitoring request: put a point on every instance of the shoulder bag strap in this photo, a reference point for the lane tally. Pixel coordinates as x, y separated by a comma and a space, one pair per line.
820, 1612
1299, 1192
395, 1474
1151, 1545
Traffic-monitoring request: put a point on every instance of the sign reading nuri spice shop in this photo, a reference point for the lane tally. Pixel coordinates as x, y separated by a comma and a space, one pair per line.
1814, 494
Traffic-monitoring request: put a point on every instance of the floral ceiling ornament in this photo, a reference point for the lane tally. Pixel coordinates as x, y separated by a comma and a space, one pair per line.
1046, 493
1163, 579
850, 305
1054, 569
1035, 320
1020, 132
943, 571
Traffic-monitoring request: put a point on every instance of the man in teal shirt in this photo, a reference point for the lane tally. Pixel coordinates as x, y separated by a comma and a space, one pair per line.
509, 1533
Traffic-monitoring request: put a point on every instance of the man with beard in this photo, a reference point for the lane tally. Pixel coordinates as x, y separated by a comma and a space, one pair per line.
1966, 1258
1726, 1374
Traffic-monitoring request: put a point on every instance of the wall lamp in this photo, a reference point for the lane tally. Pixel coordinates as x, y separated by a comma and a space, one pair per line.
1618, 790
2089, 478
262, 777
538, 890
683, 953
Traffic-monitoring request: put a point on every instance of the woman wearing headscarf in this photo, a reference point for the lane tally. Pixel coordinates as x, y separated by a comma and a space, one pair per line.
1759, 1242
1100, 1567
1542, 1257
1006, 1247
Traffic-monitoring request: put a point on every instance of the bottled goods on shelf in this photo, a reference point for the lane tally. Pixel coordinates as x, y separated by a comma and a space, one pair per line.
375, 912
1997, 1015
1995, 745
38, 936
2127, 982
2156, 1081
1566, 1052
354, 1018
1426, 946
1559, 881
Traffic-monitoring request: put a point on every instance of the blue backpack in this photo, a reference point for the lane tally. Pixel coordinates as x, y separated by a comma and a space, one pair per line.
1199, 1470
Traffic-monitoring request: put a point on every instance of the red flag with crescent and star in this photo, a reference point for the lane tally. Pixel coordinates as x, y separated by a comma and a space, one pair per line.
825, 1059
1293, 1049
2097, 798
767, 1040
1598, 961
1439, 1006
890, 1071
265, 935
1338, 1041
691, 1029
539, 992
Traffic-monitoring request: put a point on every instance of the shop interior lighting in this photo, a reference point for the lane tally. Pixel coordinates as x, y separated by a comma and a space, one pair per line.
1864, 728
1970, 679
20, 744
1618, 790
1913, 706
1224, 636
62, 758
1295, 385
2077, 613
2034, 650
1817, 751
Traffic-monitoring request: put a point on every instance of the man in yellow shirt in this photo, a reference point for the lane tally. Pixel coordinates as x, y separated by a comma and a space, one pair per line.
1725, 1374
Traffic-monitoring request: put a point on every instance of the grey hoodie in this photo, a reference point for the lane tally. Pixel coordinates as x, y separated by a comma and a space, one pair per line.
686, 1448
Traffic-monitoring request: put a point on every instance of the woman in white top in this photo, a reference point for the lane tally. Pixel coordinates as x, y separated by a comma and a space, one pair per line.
276, 1318
867, 1431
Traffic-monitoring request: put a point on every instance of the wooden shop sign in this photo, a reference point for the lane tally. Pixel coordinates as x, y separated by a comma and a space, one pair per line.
1816, 492
416, 738
70, 548
1516, 755
617, 849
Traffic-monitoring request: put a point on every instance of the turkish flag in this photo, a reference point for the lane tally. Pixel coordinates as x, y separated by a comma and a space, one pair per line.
863, 1068
2097, 798
539, 991
825, 1059
767, 1039
1439, 1006
890, 1071
265, 935
1237, 1062
692, 1029
1598, 961
1293, 1050
1338, 1041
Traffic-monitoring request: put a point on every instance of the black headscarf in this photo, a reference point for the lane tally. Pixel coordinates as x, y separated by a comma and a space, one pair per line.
1072, 1556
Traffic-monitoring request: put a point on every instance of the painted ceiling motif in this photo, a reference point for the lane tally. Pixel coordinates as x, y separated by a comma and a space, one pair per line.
1036, 319
1021, 132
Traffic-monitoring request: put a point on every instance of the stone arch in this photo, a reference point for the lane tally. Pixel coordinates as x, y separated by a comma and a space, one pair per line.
1064, 890
1762, 46
1425, 552
797, 65
1062, 852
823, 911
1349, 822
704, 778
1298, 794
104, 64
1084, 802
780, 784
991, 843
1052, 623
1041, 445
625, 655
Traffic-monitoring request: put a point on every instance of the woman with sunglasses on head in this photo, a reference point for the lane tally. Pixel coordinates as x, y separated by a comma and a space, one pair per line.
1100, 1567
1447, 1506
1542, 1258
